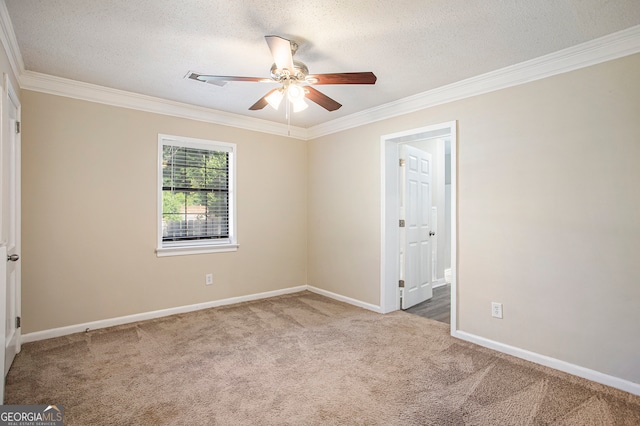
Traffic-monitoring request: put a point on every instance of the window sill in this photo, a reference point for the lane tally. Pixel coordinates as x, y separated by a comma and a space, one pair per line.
184, 250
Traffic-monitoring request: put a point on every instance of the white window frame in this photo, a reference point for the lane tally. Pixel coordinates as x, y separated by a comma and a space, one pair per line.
177, 248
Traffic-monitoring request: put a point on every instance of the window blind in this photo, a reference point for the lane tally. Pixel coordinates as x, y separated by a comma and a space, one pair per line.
195, 194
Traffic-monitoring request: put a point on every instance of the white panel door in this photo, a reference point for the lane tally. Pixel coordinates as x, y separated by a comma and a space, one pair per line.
11, 221
3, 301
415, 235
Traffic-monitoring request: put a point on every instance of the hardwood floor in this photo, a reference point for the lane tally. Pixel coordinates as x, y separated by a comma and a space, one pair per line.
437, 308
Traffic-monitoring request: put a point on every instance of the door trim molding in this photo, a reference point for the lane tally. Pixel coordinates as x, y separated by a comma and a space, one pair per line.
389, 216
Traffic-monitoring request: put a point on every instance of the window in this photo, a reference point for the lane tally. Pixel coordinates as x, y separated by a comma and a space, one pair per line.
196, 196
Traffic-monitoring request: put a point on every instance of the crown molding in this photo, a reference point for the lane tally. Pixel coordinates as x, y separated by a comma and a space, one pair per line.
9, 42
45, 83
607, 48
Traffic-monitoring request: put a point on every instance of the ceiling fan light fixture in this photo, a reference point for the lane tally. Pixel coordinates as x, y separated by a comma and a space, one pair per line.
299, 105
295, 93
275, 98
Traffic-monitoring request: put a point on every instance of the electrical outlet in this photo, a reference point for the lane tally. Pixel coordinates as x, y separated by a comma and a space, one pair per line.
496, 310
208, 279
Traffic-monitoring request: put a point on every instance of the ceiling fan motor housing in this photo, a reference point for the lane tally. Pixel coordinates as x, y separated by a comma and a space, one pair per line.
299, 73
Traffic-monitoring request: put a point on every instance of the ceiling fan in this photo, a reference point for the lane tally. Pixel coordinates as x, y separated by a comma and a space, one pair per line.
294, 78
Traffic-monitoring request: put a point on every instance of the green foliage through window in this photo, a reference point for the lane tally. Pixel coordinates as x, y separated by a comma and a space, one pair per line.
195, 193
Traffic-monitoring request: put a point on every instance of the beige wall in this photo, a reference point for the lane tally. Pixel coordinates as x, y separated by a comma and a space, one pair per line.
344, 214
90, 205
548, 203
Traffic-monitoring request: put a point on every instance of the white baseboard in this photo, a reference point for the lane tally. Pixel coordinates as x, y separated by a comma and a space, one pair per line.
93, 325
576, 370
439, 283
345, 299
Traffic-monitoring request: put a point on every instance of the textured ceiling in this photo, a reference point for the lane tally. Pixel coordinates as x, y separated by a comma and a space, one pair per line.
147, 46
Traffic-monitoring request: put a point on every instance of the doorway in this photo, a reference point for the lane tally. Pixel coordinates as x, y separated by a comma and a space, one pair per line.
443, 138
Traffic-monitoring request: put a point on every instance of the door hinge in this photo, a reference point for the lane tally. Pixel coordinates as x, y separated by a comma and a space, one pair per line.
18, 322
17, 127
401, 223
402, 162
401, 283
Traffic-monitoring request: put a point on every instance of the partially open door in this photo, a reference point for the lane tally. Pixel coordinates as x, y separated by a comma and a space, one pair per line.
3, 303
10, 235
415, 235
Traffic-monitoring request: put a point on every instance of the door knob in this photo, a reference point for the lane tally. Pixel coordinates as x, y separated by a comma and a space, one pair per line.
13, 257
431, 233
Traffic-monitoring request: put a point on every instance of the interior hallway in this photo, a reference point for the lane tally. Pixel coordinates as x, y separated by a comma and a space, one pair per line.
438, 307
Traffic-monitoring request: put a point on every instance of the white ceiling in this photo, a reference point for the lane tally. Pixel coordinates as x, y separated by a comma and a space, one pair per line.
147, 46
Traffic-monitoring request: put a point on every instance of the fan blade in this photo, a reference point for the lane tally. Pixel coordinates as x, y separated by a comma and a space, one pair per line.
321, 99
281, 52
343, 78
262, 102
194, 76
221, 80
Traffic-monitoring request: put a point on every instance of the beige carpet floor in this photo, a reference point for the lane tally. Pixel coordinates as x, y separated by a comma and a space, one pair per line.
300, 359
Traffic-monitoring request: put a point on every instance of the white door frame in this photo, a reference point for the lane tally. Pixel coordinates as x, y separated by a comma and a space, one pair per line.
389, 214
